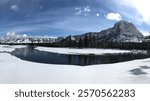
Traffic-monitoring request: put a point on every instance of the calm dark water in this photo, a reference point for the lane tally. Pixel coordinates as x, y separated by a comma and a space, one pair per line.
31, 54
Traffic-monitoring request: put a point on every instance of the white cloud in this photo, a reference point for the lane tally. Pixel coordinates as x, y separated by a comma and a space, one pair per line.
97, 14
79, 12
82, 10
114, 16
10, 34
78, 8
14, 35
142, 6
14, 7
87, 9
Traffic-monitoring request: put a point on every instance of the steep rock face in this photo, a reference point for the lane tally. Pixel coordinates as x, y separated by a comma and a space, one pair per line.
121, 32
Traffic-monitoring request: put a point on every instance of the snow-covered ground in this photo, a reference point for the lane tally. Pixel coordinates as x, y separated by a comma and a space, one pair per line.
7, 48
14, 70
81, 51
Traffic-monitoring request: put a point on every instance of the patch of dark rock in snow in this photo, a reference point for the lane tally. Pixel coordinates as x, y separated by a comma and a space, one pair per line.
145, 67
137, 71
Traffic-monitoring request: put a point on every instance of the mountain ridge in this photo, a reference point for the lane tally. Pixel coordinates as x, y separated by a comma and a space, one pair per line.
121, 32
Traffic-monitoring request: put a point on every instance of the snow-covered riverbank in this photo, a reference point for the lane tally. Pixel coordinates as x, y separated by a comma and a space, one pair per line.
14, 70
81, 51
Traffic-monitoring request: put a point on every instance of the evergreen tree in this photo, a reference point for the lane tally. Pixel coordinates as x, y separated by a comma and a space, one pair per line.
80, 43
85, 41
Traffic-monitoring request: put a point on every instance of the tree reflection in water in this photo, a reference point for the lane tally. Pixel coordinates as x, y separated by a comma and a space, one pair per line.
33, 55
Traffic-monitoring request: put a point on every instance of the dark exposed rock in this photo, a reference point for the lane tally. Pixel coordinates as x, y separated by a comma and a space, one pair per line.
145, 67
137, 71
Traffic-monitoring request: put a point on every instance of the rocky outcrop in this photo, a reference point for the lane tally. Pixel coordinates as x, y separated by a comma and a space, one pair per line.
121, 32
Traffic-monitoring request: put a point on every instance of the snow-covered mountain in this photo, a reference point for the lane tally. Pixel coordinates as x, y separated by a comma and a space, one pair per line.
28, 40
12, 37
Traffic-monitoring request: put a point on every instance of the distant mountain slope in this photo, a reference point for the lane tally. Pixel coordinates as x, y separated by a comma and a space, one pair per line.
20, 40
122, 31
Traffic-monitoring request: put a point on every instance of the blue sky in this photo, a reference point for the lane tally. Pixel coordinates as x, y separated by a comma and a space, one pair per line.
65, 17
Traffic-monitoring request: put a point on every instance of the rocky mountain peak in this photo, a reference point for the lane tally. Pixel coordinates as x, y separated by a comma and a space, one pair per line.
122, 31
125, 26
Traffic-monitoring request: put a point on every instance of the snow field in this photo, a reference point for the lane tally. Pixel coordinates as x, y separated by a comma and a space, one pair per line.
14, 70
